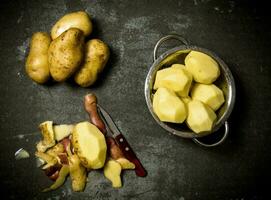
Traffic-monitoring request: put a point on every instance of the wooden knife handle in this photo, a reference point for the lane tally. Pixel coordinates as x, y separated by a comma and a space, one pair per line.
90, 105
130, 155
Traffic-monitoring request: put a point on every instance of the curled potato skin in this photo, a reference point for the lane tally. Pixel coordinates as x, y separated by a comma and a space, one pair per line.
78, 173
36, 66
80, 20
96, 56
90, 104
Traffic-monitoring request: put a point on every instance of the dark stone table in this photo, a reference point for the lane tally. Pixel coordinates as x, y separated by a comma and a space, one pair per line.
178, 169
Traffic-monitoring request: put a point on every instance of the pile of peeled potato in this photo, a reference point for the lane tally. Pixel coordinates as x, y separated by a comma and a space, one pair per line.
187, 93
65, 53
78, 149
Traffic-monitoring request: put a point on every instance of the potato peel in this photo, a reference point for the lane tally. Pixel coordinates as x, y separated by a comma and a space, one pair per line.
64, 171
48, 136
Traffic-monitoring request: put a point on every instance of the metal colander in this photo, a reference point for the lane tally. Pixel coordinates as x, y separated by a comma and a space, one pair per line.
224, 82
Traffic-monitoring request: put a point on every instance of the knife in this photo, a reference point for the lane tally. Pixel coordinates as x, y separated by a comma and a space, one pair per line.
121, 142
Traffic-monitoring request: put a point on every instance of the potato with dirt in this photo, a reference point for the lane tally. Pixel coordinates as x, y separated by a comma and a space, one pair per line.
80, 20
65, 54
96, 56
37, 66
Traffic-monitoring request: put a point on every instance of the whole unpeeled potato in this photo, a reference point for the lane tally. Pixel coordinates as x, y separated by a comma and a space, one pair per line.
96, 57
37, 66
80, 20
65, 54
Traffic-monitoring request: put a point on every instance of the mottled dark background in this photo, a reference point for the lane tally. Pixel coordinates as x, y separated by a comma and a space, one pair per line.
238, 31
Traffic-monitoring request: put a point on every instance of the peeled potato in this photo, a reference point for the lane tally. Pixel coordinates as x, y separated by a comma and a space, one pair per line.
200, 117
112, 170
186, 100
63, 130
89, 144
175, 78
178, 66
208, 94
125, 164
203, 68
168, 106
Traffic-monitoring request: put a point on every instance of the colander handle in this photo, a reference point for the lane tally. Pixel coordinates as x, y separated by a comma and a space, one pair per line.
226, 132
165, 38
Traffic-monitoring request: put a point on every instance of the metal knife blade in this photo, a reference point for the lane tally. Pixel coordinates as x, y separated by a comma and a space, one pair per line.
122, 142
113, 129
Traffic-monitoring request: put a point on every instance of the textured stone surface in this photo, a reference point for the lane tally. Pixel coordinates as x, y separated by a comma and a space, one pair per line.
177, 168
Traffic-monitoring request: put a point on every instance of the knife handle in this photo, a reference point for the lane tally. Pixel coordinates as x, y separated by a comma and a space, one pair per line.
90, 105
130, 155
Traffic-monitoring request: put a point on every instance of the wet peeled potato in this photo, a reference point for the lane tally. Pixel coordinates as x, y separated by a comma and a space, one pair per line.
96, 57
203, 68
125, 163
112, 171
168, 106
63, 130
175, 78
178, 66
80, 20
211, 95
65, 54
89, 144
37, 66
186, 100
200, 117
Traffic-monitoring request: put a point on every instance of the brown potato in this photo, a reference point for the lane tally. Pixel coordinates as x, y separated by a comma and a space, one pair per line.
80, 20
96, 57
65, 54
36, 66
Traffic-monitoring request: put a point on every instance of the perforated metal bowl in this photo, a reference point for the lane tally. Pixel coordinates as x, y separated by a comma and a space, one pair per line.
224, 82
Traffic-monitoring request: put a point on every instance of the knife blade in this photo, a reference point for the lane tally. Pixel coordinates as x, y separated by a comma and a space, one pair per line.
122, 142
